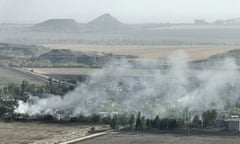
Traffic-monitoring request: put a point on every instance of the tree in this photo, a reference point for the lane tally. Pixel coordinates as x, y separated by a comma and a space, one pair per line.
3, 110
95, 118
50, 85
172, 123
156, 122
209, 117
132, 122
196, 121
143, 123
115, 122
235, 111
138, 122
163, 123
123, 119
23, 87
148, 124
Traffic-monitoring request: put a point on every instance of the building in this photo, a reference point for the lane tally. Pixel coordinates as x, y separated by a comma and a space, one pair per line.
233, 125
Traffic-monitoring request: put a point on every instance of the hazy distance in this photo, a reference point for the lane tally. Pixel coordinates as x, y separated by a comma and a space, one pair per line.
127, 11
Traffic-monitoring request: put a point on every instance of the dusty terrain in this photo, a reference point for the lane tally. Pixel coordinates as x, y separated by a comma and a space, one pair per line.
10, 75
152, 52
141, 138
41, 133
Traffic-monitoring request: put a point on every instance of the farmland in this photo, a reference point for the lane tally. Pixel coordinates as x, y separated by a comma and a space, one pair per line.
10, 75
160, 52
39, 133
167, 138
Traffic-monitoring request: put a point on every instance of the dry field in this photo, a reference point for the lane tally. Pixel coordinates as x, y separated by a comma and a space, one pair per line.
9, 75
41, 133
141, 138
152, 52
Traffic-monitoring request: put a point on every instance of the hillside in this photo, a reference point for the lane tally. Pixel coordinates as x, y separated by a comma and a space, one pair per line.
58, 25
211, 61
105, 22
235, 54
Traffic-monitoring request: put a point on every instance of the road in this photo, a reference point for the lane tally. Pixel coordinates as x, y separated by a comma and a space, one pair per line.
39, 76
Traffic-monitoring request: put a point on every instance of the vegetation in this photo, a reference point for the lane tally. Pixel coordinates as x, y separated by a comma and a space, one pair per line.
132, 122
236, 111
12, 93
115, 122
209, 117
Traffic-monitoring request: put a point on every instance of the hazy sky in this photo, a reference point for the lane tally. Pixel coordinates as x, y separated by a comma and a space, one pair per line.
128, 11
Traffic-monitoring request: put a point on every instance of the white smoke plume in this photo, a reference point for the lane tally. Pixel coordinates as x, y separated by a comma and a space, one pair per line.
120, 87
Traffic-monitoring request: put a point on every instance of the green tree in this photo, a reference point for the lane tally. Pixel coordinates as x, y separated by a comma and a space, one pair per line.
235, 111
132, 122
209, 117
196, 120
23, 87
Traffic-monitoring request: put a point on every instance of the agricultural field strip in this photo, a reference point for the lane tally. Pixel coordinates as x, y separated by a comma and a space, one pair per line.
161, 52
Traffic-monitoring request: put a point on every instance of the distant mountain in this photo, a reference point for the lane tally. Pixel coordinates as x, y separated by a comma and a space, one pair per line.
105, 22
102, 23
58, 25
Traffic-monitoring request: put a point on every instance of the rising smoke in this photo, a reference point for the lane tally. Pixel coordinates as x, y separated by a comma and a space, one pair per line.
120, 87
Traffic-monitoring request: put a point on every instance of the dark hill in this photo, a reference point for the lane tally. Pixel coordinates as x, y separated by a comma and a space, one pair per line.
105, 22
58, 25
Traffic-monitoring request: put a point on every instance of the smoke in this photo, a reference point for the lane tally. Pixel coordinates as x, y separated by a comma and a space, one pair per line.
121, 87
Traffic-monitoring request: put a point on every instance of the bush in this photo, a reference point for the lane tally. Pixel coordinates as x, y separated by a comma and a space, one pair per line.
172, 123
95, 118
106, 120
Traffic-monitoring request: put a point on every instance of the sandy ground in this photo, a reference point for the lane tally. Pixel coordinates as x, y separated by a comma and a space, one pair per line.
152, 52
142, 138
41, 133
